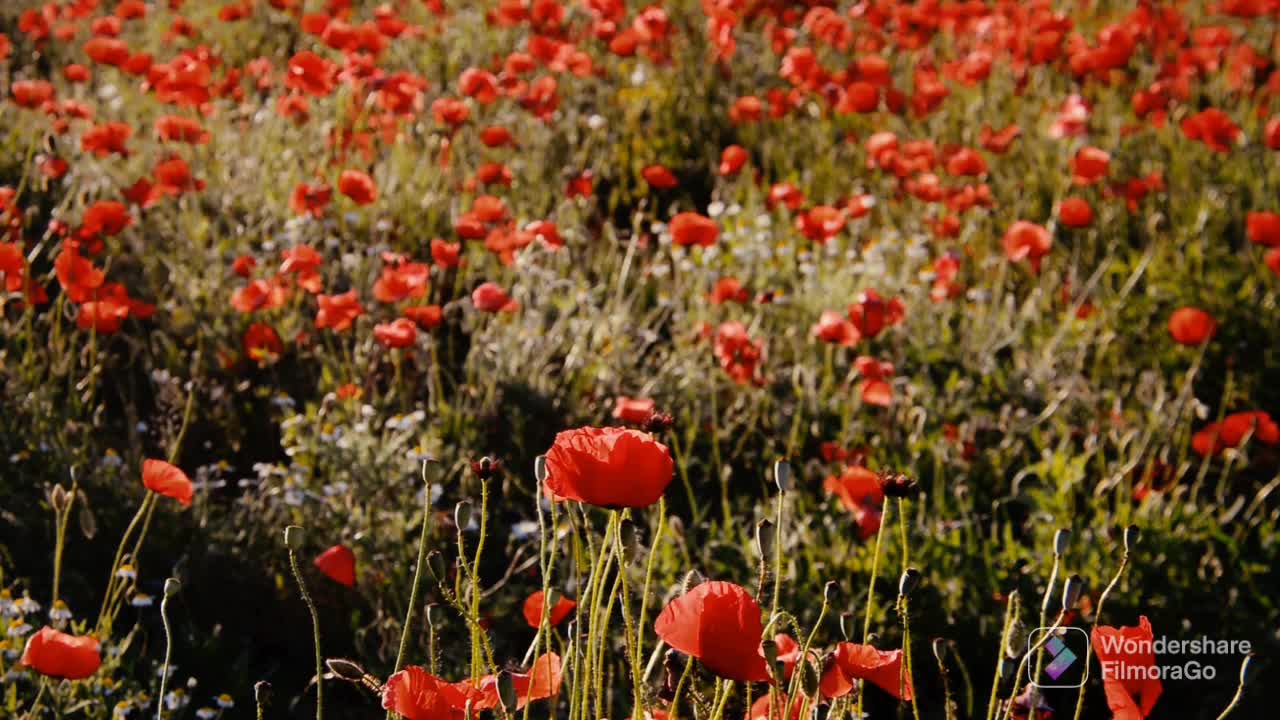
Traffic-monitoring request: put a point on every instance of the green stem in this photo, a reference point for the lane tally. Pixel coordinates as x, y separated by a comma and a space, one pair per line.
871, 587
1097, 616
417, 573
168, 653
315, 633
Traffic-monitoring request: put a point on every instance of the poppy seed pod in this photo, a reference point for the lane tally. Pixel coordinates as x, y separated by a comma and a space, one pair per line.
908, 582
829, 591
462, 515
1071, 591
262, 693
345, 669
1061, 540
766, 533
540, 469
58, 498
171, 587
782, 476
1131, 534
293, 537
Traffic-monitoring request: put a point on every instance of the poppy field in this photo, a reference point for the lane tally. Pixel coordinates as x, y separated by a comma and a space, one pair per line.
663, 359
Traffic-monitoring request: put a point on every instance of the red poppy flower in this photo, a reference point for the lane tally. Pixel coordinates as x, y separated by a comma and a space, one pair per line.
496, 136
415, 694
533, 609
262, 344
872, 314
426, 316
1264, 228
1075, 212
1272, 259
310, 199
834, 327
690, 228
737, 353
358, 186
1128, 668
1212, 127
541, 682
1271, 134
402, 281
852, 661
998, 141
446, 254
1089, 165
1191, 326
660, 177
1027, 241
967, 162
106, 139
732, 160
490, 297
728, 289
165, 479
59, 655
856, 488
718, 623
636, 411
77, 275
609, 467
310, 73
105, 217
108, 51
821, 223
338, 564
103, 316
31, 94
399, 333
175, 128
338, 312
760, 709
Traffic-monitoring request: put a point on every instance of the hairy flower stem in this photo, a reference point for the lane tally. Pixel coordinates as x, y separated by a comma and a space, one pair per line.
315, 632
804, 654
1022, 664
1097, 617
594, 583
777, 558
871, 588
61, 519
1044, 615
629, 629
168, 655
477, 654
115, 564
1010, 616
1235, 699
417, 573
906, 655
675, 697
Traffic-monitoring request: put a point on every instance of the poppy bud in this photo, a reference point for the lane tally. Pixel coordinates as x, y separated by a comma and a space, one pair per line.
435, 561
659, 422
462, 515
58, 498
765, 535
629, 537
908, 582
486, 467
293, 537
1071, 591
540, 469
808, 678
829, 591
507, 691
782, 475
345, 669
669, 676
171, 587
898, 485
1130, 537
770, 650
262, 693
692, 579
1249, 669
1061, 540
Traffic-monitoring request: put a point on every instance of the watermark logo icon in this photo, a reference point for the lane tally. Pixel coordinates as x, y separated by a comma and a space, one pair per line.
1065, 651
